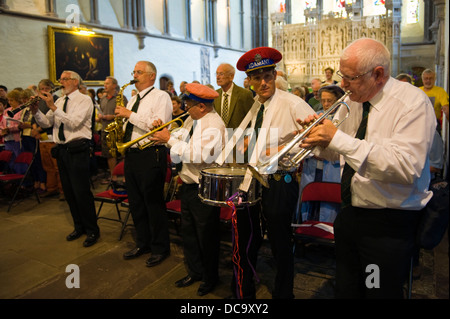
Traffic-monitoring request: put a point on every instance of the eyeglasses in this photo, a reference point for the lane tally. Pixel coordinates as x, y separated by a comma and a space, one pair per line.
65, 79
349, 78
139, 72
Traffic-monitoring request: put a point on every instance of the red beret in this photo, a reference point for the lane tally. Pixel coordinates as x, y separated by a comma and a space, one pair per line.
262, 57
200, 93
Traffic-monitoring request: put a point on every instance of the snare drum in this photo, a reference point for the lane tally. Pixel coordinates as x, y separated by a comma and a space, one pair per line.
218, 184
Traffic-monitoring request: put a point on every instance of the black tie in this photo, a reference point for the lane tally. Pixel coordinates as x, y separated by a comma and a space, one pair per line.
258, 123
61, 136
129, 129
179, 166
259, 119
348, 172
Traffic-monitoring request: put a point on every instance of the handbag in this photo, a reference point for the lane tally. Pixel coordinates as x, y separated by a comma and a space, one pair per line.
434, 220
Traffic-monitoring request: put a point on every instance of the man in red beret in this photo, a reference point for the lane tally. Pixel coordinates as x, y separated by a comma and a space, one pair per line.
200, 223
277, 110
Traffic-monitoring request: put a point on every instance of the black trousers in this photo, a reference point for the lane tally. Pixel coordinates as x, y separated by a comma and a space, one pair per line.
75, 180
278, 205
200, 230
250, 238
145, 173
373, 246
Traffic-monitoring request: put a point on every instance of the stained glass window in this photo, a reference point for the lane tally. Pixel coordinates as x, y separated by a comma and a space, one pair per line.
412, 11
310, 4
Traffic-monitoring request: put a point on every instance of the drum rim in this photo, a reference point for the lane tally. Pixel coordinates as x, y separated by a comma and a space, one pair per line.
204, 173
224, 204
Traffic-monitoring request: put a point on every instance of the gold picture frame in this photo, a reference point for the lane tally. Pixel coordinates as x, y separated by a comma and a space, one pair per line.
88, 53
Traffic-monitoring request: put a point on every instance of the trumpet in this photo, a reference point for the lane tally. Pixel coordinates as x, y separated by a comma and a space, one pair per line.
11, 113
284, 162
122, 147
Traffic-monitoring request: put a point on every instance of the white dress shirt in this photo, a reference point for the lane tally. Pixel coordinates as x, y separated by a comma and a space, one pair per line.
391, 163
200, 150
77, 119
155, 105
280, 114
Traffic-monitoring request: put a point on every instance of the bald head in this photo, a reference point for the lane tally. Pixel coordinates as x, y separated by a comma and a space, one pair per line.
366, 54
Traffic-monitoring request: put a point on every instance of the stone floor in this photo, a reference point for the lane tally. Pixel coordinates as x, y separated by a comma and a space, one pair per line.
34, 257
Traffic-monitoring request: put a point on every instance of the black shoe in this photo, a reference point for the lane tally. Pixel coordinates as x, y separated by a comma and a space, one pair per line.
136, 252
90, 240
186, 281
156, 260
74, 235
205, 288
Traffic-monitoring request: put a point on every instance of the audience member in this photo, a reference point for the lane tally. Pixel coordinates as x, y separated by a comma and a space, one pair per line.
170, 89
31, 144
313, 98
45, 136
299, 91
233, 101
106, 116
437, 95
329, 77
405, 78
318, 170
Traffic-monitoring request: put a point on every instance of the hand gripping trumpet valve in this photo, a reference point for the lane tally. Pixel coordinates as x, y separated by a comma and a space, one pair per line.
281, 160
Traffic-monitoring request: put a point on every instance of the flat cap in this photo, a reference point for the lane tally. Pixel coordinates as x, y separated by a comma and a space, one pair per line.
200, 93
257, 58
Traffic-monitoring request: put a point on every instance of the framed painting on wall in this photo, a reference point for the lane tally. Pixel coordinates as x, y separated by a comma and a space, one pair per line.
90, 54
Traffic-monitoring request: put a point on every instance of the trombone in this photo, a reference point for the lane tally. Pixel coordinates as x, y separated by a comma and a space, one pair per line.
262, 170
122, 147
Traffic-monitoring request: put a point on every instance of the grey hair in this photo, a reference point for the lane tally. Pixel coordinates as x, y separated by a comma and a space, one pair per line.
76, 76
369, 56
149, 66
428, 71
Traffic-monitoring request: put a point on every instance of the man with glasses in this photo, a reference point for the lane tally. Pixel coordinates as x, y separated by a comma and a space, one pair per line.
385, 143
71, 118
145, 170
277, 110
233, 102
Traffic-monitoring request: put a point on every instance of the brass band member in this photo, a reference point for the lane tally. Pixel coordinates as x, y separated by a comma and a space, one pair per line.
71, 118
276, 110
385, 143
200, 224
145, 170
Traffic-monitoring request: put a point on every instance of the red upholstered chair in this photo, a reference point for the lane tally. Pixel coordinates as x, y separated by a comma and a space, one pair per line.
315, 231
112, 196
173, 206
5, 158
13, 183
